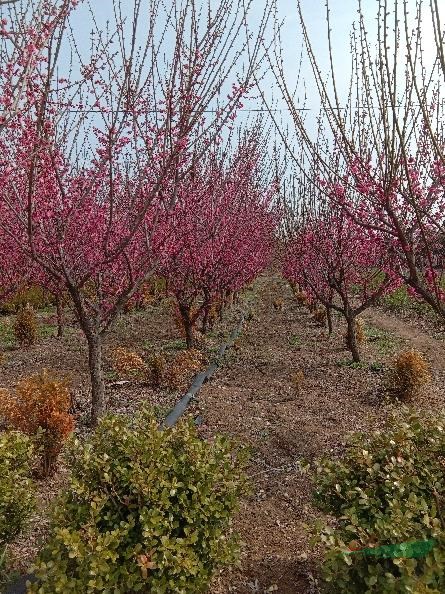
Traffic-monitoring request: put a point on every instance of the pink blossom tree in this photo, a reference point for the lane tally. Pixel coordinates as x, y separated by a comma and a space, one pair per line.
385, 131
340, 264
91, 170
229, 239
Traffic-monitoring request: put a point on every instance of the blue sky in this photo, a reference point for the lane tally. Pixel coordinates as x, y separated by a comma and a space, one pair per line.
343, 13
314, 10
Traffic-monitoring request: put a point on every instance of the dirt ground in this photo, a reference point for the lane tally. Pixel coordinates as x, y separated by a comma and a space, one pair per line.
254, 398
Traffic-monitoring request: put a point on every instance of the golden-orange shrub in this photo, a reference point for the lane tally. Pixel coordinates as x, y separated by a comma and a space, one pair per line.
25, 327
320, 316
278, 304
360, 335
298, 379
301, 297
183, 367
40, 407
127, 363
214, 312
156, 370
410, 373
177, 318
360, 331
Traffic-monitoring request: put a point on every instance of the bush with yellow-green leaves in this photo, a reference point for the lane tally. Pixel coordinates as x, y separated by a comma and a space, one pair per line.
388, 488
16, 488
147, 510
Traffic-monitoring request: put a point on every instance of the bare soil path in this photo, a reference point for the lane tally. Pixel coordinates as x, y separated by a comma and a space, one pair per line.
253, 399
423, 340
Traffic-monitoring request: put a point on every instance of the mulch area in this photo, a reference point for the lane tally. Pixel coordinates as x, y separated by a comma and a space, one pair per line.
253, 398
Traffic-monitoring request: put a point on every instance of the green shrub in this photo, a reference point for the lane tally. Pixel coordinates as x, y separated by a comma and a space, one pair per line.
146, 511
16, 493
37, 297
387, 489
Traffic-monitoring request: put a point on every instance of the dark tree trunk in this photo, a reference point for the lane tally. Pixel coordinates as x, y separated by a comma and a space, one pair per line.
221, 310
205, 320
60, 321
188, 325
329, 318
95, 362
351, 339
206, 311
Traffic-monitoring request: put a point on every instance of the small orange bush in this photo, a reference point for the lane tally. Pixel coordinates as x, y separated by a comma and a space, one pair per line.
128, 363
179, 323
183, 367
25, 327
278, 304
298, 380
409, 375
320, 316
213, 314
39, 407
360, 335
360, 331
156, 370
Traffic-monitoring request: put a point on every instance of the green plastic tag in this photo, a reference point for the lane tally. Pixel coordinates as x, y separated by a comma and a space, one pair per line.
406, 550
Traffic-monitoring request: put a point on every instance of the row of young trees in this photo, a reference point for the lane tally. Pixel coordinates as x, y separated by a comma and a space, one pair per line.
372, 214
113, 172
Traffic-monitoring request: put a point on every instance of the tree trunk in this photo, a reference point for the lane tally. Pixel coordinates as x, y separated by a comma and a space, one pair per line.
97, 380
189, 339
221, 310
351, 339
206, 311
60, 325
188, 326
205, 320
329, 318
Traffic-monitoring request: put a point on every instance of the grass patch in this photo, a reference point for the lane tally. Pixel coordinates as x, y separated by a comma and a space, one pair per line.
294, 341
47, 330
352, 364
377, 367
177, 344
111, 375
384, 342
400, 301
7, 338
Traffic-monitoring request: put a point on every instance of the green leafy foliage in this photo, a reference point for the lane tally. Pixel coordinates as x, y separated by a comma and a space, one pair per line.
146, 511
387, 489
35, 296
16, 492
400, 301
352, 364
384, 342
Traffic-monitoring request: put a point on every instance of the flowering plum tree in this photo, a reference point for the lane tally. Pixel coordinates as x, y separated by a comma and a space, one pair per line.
229, 238
386, 133
330, 255
92, 168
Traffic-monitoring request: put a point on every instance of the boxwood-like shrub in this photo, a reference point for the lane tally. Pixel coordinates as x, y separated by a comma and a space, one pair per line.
387, 489
146, 511
16, 488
